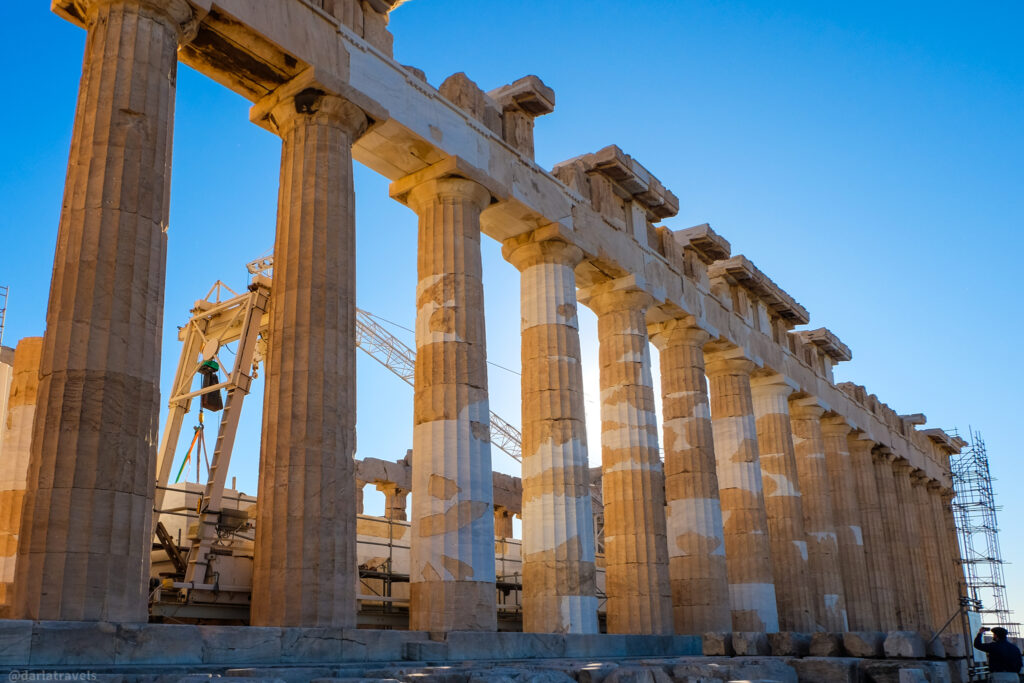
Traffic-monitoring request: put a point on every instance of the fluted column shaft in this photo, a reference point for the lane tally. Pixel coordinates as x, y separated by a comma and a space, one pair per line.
948, 601
957, 587
696, 544
452, 556
911, 557
395, 499
877, 551
931, 572
304, 565
783, 504
15, 444
636, 555
819, 525
896, 538
849, 533
559, 589
745, 524
85, 536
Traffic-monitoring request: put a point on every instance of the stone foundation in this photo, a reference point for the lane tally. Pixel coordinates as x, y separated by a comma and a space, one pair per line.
167, 652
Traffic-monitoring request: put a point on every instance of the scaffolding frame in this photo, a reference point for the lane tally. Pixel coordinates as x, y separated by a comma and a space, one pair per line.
975, 510
4, 292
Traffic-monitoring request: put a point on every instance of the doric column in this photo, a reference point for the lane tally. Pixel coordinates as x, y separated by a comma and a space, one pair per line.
359, 496
502, 522
876, 548
819, 525
85, 535
782, 502
559, 585
15, 444
394, 501
452, 556
696, 544
895, 536
636, 555
910, 557
745, 524
305, 556
849, 534
929, 574
956, 587
949, 601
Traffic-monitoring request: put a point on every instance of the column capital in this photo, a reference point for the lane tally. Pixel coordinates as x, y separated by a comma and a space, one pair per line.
550, 244
83, 12
901, 465
432, 180
677, 332
772, 384
806, 408
731, 362
316, 93
389, 487
934, 485
835, 425
918, 477
861, 440
621, 294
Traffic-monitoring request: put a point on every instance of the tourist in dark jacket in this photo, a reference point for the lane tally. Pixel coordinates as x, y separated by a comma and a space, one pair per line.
1004, 659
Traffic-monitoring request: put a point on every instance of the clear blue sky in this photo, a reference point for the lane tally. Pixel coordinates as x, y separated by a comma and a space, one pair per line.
867, 156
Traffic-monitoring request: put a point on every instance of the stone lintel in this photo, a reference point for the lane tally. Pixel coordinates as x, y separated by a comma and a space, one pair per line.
626, 173
741, 271
949, 444
315, 78
828, 342
529, 94
449, 167
914, 419
705, 242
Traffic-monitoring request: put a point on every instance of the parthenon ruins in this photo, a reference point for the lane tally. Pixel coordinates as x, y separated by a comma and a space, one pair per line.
769, 512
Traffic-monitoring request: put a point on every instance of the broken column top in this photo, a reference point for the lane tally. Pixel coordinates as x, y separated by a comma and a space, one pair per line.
629, 175
528, 94
828, 342
740, 270
914, 418
708, 244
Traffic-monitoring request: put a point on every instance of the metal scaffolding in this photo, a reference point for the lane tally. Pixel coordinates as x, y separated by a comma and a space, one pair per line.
4, 291
975, 510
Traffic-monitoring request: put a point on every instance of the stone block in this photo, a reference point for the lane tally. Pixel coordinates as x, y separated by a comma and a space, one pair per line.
241, 644
159, 644
638, 674
789, 644
826, 669
595, 672
958, 671
73, 643
362, 645
707, 670
484, 645
15, 641
913, 676
297, 674
888, 670
954, 644
717, 645
863, 643
426, 650
750, 643
826, 645
904, 645
935, 648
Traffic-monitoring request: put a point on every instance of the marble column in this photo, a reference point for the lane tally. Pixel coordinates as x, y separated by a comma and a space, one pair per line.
636, 555
849, 534
696, 544
931, 572
949, 601
910, 558
15, 444
394, 501
305, 555
559, 581
876, 550
502, 522
783, 505
745, 523
84, 545
452, 557
958, 584
819, 525
895, 536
